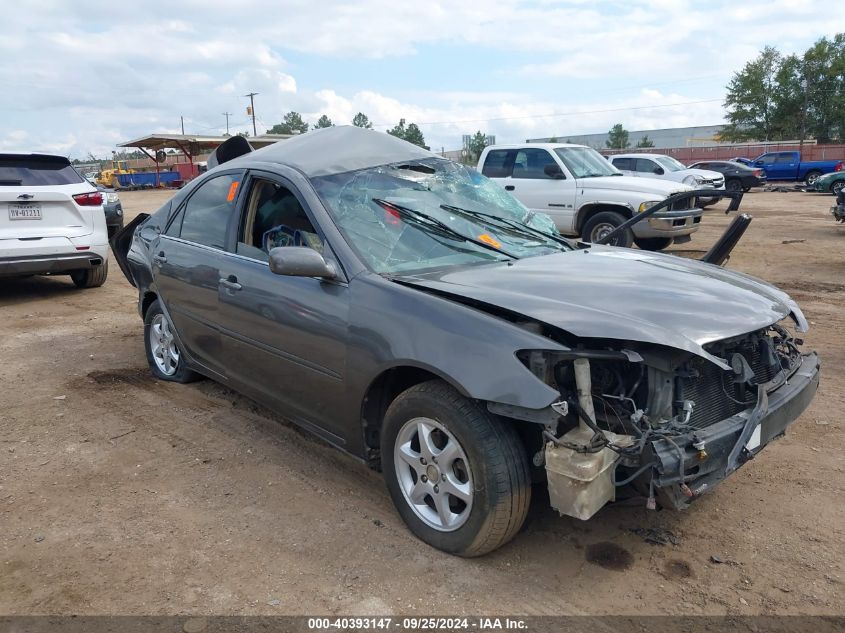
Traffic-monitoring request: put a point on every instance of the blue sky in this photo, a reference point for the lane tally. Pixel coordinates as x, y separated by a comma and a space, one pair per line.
85, 76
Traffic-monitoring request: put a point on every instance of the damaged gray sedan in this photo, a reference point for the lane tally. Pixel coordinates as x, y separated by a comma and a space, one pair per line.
409, 311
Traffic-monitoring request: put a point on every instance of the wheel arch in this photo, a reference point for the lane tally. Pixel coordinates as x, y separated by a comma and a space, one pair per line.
383, 390
590, 209
146, 301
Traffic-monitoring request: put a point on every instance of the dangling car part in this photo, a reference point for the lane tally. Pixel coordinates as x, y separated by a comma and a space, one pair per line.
411, 312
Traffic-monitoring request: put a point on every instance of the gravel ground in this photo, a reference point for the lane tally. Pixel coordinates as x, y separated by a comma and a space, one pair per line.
123, 495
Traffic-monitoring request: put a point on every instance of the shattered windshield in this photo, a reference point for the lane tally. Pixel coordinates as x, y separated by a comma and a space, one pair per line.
585, 162
433, 213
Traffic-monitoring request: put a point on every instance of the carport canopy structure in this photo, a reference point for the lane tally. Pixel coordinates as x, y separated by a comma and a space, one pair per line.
192, 144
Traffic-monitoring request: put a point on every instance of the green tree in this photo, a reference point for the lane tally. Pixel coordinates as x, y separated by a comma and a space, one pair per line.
645, 141
553, 139
477, 144
823, 79
362, 120
617, 137
751, 99
399, 130
414, 135
292, 123
322, 122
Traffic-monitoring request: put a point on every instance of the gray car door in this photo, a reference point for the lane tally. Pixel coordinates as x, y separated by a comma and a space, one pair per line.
186, 260
285, 338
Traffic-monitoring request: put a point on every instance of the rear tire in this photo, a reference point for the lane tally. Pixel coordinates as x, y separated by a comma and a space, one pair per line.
484, 464
91, 277
653, 243
166, 360
811, 177
734, 184
603, 223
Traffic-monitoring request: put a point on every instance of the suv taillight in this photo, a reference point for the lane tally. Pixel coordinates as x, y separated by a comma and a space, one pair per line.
89, 199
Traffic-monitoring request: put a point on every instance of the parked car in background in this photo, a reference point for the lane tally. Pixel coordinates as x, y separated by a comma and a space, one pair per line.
667, 168
409, 311
585, 195
833, 182
738, 177
112, 208
789, 166
52, 221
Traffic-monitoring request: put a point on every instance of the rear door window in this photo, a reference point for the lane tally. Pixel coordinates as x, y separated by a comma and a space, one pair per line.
785, 159
36, 171
206, 214
497, 165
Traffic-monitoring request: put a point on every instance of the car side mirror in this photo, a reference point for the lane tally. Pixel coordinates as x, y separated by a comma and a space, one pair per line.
300, 261
554, 171
659, 171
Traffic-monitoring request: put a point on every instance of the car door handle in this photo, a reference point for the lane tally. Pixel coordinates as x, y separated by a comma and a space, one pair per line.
160, 258
509, 187
230, 282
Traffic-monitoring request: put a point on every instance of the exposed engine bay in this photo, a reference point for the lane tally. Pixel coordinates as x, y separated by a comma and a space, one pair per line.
669, 423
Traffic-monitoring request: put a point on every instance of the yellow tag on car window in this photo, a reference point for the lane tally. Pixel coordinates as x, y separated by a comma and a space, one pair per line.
487, 239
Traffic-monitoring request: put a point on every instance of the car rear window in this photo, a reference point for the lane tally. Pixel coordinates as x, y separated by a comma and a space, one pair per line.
29, 171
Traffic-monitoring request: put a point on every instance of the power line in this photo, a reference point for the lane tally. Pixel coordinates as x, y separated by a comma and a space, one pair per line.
557, 114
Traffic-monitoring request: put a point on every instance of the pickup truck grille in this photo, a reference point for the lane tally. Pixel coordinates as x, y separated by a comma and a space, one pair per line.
682, 205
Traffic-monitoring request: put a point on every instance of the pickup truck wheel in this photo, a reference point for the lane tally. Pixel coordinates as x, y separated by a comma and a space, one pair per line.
458, 475
603, 223
734, 184
163, 354
811, 178
91, 277
837, 187
653, 243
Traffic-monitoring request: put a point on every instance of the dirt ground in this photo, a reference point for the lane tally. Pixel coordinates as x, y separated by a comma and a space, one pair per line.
123, 495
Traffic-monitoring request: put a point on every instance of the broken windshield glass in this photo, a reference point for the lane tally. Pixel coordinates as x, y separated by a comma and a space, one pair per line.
365, 205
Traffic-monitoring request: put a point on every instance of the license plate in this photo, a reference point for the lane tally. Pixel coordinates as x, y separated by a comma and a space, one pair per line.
24, 211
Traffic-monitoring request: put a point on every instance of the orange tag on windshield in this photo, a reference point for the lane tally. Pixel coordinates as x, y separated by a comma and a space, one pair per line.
484, 237
233, 189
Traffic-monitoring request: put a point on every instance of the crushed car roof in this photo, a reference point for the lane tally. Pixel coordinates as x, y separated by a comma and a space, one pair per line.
336, 150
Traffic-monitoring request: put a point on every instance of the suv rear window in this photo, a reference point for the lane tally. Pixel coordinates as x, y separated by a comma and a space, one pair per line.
34, 171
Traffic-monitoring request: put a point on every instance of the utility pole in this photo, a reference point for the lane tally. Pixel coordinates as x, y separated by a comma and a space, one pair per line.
227, 114
803, 117
182, 120
252, 111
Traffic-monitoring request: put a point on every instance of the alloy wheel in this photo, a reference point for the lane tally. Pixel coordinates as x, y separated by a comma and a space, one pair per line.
163, 345
433, 473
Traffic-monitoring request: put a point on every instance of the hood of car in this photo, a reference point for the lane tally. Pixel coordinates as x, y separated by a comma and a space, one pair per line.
632, 183
704, 173
623, 294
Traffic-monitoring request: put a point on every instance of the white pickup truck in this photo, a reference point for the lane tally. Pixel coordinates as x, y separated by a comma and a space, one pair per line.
587, 196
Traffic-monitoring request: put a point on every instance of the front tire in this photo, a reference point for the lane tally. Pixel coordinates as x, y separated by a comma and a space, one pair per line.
653, 243
811, 178
91, 277
837, 187
602, 223
164, 356
458, 475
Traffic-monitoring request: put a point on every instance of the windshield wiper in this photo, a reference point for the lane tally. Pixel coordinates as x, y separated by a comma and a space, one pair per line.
513, 226
436, 227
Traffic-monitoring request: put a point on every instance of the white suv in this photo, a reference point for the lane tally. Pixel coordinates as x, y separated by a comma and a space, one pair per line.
668, 168
52, 221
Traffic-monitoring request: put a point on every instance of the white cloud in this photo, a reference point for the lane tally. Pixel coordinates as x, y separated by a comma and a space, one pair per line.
86, 78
